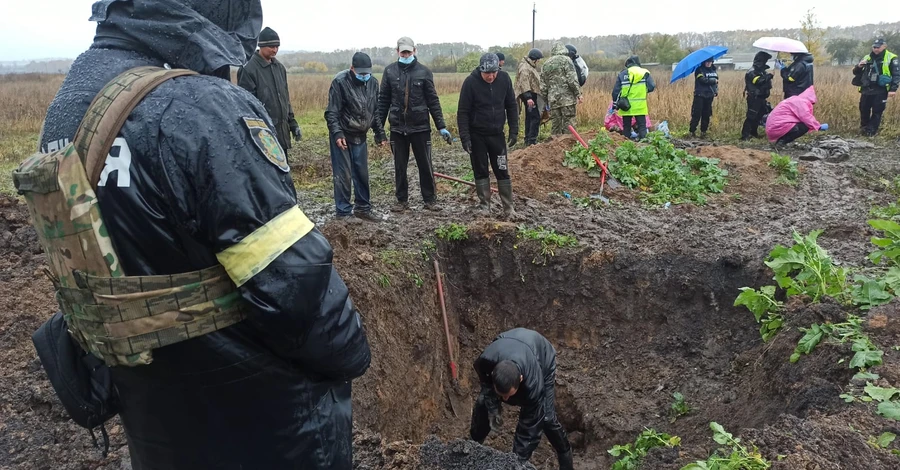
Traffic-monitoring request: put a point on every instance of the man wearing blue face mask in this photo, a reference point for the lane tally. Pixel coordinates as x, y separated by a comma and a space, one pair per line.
406, 99
352, 101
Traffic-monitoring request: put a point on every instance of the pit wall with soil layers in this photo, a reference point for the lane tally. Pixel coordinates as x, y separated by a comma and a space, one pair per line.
629, 330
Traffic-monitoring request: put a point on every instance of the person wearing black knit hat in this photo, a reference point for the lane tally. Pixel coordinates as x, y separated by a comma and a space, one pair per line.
266, 78
502, 58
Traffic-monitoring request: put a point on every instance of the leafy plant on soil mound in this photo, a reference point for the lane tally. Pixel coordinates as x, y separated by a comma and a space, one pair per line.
660, 171
786, 169
629, 456
733, 457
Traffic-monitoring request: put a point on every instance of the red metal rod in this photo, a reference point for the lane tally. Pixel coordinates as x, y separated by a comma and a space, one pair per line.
599, 163
440, 287
448, 177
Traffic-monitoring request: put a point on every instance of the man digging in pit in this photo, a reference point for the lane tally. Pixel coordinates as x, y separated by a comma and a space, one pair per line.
519, 368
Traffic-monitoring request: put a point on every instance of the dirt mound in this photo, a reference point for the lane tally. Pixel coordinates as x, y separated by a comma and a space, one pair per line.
465, 455
537, 171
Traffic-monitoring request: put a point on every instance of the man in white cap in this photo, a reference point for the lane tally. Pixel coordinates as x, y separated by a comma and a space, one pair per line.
406, 100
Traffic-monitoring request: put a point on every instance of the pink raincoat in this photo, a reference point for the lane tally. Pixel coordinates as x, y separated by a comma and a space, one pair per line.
790, 112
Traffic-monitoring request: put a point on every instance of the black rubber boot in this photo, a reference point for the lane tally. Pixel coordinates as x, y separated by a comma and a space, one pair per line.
565, 460
506, 196
483, 188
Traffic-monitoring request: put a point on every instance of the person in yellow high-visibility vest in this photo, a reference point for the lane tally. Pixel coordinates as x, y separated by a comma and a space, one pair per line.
877, 75
632, 86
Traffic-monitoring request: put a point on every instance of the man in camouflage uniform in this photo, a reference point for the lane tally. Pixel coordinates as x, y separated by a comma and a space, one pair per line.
196, 180
559, 84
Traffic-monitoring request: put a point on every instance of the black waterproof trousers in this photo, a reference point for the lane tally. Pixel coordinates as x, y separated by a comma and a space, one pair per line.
799, 130
640, 126
421, 147
489, 149
756, 108
871, 107
532, 124
701, 111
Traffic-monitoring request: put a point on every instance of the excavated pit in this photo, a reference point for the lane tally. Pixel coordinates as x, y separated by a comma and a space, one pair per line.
629, 330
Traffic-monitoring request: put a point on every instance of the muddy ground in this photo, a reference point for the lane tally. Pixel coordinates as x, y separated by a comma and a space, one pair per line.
641, 308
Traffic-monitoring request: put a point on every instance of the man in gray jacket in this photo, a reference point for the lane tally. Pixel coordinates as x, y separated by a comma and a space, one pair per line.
266, 78
352, 101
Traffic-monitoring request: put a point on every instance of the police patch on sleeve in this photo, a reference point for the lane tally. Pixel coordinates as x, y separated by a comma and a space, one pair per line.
266, 142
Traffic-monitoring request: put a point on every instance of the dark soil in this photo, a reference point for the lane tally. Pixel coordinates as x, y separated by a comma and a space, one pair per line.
641, 308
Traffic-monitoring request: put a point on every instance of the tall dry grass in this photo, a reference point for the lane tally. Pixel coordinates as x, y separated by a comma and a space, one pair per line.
24, 100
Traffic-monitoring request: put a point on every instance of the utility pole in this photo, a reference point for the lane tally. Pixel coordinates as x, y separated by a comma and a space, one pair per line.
533, 20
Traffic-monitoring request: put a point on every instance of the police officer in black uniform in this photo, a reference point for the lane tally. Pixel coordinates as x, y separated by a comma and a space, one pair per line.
757, 87
877, 75
193, 173
706, 88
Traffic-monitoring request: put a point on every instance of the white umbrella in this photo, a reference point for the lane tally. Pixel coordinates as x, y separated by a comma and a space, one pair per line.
779, 44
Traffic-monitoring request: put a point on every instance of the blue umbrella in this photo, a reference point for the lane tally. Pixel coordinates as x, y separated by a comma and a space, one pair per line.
694, 59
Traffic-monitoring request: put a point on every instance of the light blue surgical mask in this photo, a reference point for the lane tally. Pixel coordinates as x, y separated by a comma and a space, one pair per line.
407, 60
363, 77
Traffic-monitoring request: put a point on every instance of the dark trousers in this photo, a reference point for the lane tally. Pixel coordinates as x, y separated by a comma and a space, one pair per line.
701, 111
350, 166
756, 108
421, 147
489, 149
640, 124
532, 124
799, 130
871, 107
481, 427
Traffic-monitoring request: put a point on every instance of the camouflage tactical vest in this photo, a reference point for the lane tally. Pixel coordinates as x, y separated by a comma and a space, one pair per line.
118, 318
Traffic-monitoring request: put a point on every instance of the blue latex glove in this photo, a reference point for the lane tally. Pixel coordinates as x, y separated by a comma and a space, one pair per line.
823, 127
445, 132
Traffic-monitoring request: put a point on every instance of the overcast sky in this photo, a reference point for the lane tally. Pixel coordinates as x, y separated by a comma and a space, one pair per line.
39, 29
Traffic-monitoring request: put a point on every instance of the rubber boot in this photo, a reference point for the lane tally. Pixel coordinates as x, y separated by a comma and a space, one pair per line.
483, 188
565, 460
506, 196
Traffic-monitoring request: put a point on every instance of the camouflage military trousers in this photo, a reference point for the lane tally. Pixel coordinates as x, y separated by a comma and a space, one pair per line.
562, 118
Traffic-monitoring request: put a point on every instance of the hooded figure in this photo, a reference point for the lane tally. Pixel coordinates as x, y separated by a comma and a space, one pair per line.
559, 84
793, 118
799, 75
528, 89
194, 173
581, 67
633, 84
706, 89
757, 86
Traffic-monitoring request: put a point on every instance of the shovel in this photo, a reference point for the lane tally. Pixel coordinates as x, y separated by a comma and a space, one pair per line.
453, 396
613, 183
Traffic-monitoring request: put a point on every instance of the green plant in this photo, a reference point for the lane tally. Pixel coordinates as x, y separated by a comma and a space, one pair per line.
883, 441
734, 457
428, 248
580, 158
678, 408
890, 211
452, 232
806, 269
764, 307
866, 354
785, 167
416, 279
391, 257
629, 456
550, 240
383, 280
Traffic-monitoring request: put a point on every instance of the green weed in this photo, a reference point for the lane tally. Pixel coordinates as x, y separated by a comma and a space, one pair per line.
452, 232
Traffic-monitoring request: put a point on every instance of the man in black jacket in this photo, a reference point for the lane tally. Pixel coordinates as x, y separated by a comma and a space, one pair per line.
193, 172
407, 98
519, 367
757, 86
486, 103
706, 88
266, 78
877, 75
352, 101
799, 75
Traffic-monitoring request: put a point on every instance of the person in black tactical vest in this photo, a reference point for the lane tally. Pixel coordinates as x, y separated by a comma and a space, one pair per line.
757, 87
266, 78
877, 75
196, 180
798, 76
706, 88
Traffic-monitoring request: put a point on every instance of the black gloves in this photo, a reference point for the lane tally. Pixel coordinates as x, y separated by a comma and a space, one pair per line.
296, 133
467, 146
512, 140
